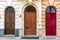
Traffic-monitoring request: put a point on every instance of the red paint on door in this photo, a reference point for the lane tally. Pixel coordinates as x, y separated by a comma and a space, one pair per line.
48, 25
51, 22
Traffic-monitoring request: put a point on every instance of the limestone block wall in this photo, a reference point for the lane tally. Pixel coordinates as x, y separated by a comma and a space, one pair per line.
3, 5
38, 9
44, 5
18, 5
57, 5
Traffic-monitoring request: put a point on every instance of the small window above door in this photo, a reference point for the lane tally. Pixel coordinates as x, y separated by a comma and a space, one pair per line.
51, 9
10, 9
30, 8
48, 10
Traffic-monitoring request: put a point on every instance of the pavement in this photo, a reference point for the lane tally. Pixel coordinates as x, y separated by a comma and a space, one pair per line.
19, 38
14, 38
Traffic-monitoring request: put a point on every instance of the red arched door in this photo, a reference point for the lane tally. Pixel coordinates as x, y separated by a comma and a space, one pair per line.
30, 21
51, 21
9, 21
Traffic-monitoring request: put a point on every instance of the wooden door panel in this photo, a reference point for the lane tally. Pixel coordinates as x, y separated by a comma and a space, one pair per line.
48, 25
12, 20
29, 23
53, 23
33, 23
9, 27
26, 24
7, 20
9, 32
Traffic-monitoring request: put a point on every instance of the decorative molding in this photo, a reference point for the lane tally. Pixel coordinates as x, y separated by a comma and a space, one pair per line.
51, 2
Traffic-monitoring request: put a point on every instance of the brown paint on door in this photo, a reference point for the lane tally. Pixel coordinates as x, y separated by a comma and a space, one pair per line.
9, 23
30, 23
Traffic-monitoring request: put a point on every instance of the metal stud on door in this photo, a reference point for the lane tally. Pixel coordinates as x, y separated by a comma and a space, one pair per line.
9, 21
30, 21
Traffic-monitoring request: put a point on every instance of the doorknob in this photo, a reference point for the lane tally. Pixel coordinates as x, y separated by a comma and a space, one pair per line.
27, 27
12, 23
7, 23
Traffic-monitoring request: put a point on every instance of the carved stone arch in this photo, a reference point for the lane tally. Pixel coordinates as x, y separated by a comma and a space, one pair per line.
27, 4
9, 21
36, 16
51, 21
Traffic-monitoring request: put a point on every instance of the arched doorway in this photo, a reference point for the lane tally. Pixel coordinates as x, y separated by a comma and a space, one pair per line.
30, 20
51, 21
9, 21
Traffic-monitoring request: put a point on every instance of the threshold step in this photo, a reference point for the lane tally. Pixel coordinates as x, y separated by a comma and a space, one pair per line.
9, 35
29, 37
51, 37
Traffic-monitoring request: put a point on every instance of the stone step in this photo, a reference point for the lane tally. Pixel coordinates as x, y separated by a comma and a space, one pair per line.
9, 38
15, 38
19, 38
51, 38
30, 37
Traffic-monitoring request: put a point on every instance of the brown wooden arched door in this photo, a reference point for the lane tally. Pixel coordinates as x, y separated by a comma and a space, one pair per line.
51, 21
9, 21
30, 20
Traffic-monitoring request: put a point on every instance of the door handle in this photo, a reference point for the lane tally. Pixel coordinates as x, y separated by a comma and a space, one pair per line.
27, 27
12, 23
7, 23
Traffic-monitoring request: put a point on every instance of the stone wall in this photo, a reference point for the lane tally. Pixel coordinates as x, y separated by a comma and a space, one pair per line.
3, 5
45, 4
56, 4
